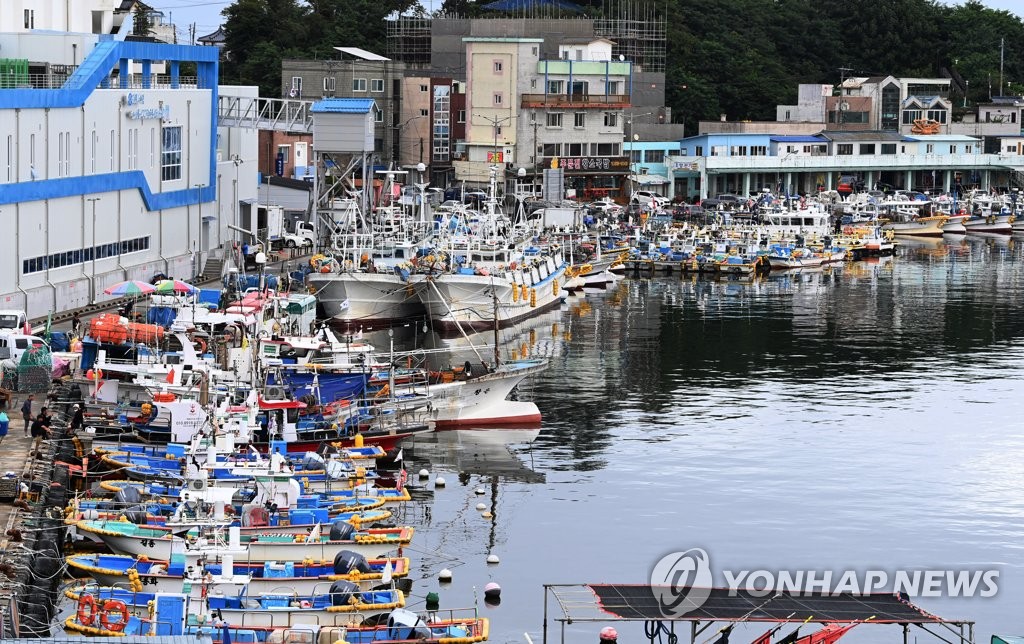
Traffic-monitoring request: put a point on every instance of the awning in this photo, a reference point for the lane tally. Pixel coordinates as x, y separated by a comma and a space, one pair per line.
650, 179
209, 217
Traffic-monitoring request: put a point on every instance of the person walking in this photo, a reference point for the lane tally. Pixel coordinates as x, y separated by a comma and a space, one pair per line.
40, 430
76, 325
26, 412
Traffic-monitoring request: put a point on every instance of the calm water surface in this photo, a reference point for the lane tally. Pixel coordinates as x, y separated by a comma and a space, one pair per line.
864, 417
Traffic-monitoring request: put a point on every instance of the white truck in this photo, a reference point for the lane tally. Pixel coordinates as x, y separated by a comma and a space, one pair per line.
302, 237
12, 320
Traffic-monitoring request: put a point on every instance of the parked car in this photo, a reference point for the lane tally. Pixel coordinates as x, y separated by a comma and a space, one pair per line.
645, 197
684, 212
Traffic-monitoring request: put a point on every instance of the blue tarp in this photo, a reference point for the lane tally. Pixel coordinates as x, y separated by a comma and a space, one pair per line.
332, 386
162, 315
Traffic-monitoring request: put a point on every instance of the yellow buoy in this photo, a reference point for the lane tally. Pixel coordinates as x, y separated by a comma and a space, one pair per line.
358, 440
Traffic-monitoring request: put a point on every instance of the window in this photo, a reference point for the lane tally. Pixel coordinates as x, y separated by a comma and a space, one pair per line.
867, 148
133, 148
92, 152
330, 83
556, 86
909, 116
113, 150
888, 148
579, 119
654, 156
552, 150
968, 149
10, 157
358, 84
937, 115
378, 116
377, 85
844, 148
170, 154
738, 151
684, 152
60, 154
498, 98
498, 67
32, 151
576, 149
698, 151
608, 149
533, 51
613, 87
952, 149
80, 255
424, 88
929, 148
296, 89
462, 116
789, 116
424, 112
758, 151
30, 18
611, 119
554, 119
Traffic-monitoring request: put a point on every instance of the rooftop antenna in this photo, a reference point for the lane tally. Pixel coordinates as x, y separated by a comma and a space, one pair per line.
1002, 49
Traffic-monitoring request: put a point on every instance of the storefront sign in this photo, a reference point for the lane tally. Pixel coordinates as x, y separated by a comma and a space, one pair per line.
590, 164
137, 101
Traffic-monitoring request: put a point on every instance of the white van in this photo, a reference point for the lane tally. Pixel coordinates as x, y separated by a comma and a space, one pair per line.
12, 320
14, 345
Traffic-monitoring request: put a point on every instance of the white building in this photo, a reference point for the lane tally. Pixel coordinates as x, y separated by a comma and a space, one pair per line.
107, 176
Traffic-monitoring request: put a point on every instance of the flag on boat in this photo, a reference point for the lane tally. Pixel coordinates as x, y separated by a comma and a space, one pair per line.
314, 534
829, 634
225, 638
766, 638
170, 376
724, 637
344, 305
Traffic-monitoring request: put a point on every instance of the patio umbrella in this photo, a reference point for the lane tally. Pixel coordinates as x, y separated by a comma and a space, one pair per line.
131, 287
175, 286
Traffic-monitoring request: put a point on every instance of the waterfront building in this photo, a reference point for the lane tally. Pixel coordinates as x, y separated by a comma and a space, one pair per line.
363, 74
649, 166
109, 175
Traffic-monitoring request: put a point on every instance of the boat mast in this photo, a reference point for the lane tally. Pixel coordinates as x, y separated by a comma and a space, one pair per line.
497, 351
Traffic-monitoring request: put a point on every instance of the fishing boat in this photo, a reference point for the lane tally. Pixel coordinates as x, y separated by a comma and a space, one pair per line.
301, 576
128, 538
907, 223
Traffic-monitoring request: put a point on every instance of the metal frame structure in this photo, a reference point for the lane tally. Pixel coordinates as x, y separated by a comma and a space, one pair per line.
579, 603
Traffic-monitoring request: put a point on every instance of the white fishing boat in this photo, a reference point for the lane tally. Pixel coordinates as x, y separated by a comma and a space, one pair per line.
955, 224
1001, 223
906, 223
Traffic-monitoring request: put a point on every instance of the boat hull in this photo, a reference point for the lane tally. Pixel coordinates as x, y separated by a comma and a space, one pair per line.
955, 225
457, 303
1000, 224
923, 227
483, 400
366, 299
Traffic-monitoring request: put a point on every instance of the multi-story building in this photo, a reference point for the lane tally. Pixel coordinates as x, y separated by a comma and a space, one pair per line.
433, 119
711, 164
495, 81
365, 75
535, 113
107, 176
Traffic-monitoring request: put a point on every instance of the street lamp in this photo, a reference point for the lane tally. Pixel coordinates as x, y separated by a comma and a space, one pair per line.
92, 282
197, 259
261, 262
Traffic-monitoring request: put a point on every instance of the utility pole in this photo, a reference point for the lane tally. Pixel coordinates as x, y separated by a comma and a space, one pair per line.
842, 81
495, 122
1002, 50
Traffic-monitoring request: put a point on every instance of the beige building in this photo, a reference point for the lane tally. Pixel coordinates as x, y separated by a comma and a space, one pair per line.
494, 87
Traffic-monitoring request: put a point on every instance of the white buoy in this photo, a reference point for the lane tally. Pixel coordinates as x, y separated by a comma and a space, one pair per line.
481, 507
493, 559
424, 473
445, 575
492, 590
439, 482
479, 490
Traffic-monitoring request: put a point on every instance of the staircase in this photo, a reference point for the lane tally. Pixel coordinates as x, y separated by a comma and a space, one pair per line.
212, 272
1016, 179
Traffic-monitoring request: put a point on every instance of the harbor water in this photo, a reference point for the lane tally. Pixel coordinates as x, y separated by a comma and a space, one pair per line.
862, 417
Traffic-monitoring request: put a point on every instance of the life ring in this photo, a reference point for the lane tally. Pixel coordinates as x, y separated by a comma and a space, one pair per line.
202, 345
112, 606
86, 610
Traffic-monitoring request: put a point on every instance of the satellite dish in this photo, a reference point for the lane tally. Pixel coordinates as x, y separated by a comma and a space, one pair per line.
621, 58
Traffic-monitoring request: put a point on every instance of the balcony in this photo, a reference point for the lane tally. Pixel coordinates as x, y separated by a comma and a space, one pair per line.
570, 101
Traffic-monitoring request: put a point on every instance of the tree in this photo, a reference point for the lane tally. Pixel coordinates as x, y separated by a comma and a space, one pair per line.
142, 22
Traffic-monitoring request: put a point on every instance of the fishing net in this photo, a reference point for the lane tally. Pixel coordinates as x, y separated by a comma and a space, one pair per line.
35, 371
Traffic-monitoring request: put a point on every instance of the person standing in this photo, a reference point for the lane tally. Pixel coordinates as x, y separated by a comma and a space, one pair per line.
40, 430
26, 412
76, 325
5, 422
78, 420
